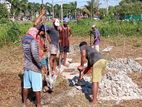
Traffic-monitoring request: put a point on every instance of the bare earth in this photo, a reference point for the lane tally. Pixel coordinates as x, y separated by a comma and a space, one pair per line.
11, 70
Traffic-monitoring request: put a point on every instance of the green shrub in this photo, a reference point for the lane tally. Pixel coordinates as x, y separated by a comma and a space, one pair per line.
107, 27
11, 32
3, 11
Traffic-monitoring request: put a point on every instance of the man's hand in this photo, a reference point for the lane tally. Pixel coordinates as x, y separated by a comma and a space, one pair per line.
43, 11
44, 70
80, 68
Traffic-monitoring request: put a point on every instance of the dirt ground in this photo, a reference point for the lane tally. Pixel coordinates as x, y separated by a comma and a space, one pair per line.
11, 70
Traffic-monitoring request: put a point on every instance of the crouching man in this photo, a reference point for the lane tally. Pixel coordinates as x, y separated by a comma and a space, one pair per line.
95, 62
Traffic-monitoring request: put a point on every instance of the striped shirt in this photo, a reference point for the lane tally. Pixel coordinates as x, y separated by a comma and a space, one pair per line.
31, 54
64, 36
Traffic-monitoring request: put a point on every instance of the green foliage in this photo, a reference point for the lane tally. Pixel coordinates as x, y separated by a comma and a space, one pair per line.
91, 7
11, 32
81, 28
4, 20
3, 11
108, 27
131, 7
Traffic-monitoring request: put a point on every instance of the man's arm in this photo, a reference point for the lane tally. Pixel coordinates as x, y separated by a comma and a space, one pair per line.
35, 53
70, 32
83, 57
48, 38
83, 60
39, 19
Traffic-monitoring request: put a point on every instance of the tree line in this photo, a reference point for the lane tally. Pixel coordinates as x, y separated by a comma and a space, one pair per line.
23, 9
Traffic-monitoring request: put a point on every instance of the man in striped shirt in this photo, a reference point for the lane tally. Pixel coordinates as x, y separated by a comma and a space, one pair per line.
33, 68
65, 33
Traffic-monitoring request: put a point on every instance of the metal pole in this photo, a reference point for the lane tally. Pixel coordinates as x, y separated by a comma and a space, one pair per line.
91, 9
62, 11
53, 8
107, 7
42, 2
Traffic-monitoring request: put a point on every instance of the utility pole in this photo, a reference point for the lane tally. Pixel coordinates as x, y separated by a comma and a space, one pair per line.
91, 9
62, 11
53, 8
42, 2
107, 6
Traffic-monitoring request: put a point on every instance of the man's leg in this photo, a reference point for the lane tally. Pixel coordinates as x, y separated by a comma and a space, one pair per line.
26, 87
98, 68
95, 91
25, 96
66, 50
51, 62
65, 59
38, 98
54, 63
36, 79
97, 48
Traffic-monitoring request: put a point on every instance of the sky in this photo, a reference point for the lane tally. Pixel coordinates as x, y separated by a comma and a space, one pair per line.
80, 3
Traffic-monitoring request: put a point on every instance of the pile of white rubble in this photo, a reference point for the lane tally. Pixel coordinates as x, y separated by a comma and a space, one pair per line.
116, 85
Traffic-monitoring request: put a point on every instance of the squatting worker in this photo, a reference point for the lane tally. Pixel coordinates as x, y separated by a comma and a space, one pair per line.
95, 62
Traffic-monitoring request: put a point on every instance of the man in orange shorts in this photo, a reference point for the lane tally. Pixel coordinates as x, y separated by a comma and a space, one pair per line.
95, 62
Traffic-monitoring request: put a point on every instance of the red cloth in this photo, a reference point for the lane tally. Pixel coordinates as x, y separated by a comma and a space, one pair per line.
33, 32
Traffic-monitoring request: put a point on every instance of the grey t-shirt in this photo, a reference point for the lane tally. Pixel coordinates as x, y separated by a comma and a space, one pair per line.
54, 35
92, 55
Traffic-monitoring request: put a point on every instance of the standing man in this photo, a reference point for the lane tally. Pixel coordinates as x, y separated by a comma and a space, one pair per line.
53, 38
96, 34
32, 67
65, 34
95, 62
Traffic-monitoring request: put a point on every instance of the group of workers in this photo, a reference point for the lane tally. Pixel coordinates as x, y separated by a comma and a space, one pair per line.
41, 40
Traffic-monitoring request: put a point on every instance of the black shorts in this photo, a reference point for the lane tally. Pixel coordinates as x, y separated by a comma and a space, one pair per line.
64, 48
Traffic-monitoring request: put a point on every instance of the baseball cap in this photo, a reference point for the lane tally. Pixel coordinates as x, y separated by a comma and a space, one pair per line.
65, 21
93, 25
42, 28
56, 22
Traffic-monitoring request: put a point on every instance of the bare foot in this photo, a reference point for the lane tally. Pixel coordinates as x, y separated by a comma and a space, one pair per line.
25, 105
66, 65
94, 102
39, 105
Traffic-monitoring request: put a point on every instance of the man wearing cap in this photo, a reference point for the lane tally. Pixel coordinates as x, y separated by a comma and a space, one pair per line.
96, 34
53, 38
65, 33
95, 62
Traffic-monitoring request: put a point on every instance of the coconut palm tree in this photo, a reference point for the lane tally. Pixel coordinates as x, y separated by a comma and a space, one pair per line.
48, 7
91, 7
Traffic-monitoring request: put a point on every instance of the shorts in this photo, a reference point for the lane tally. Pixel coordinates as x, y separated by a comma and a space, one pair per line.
97, 48
32, 80
53, 49
98, 69
64, 48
